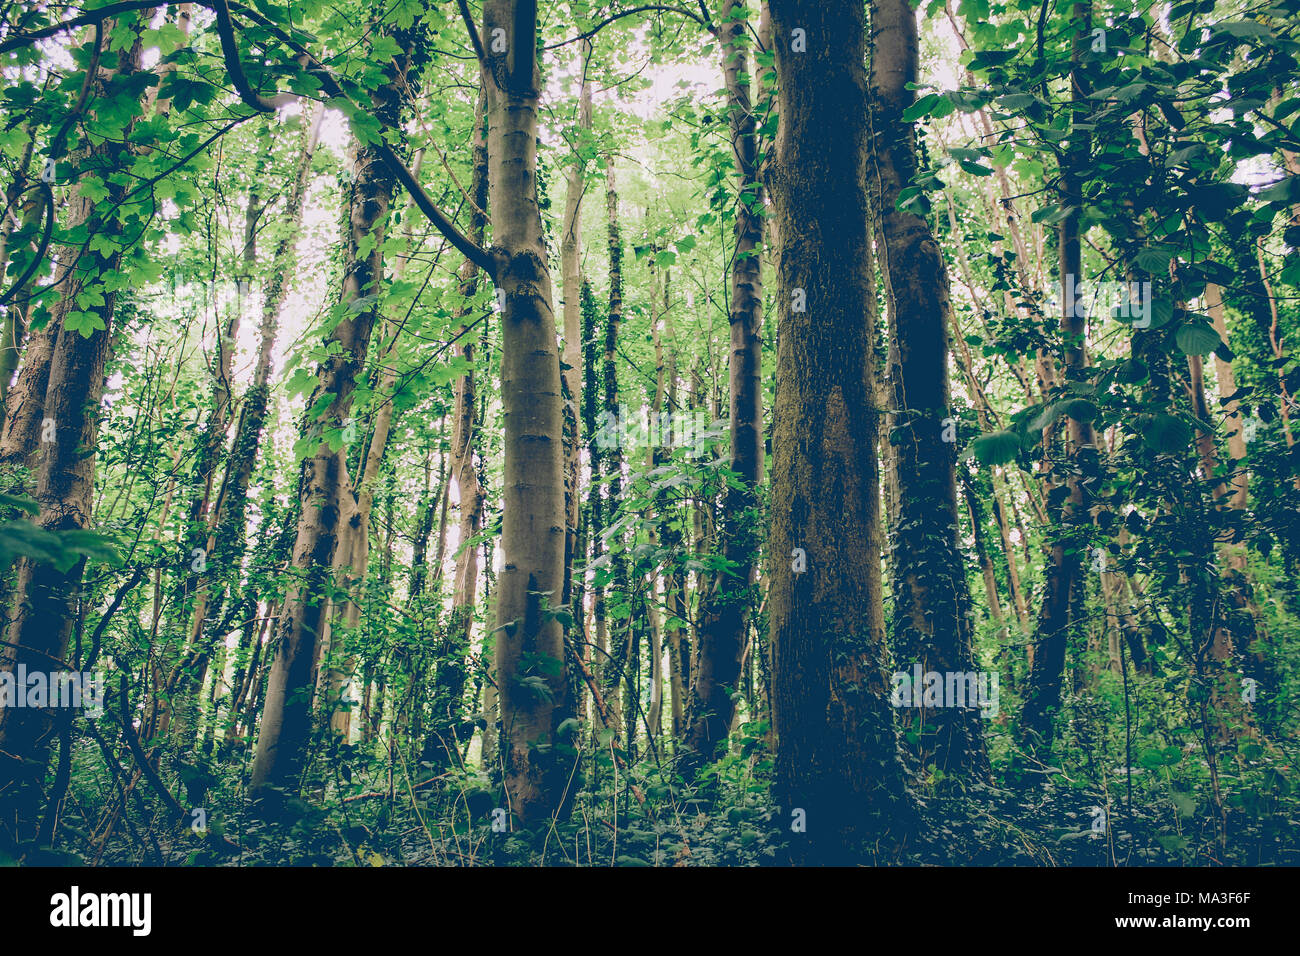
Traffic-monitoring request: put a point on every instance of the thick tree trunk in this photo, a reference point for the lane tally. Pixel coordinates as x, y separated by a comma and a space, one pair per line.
837, 751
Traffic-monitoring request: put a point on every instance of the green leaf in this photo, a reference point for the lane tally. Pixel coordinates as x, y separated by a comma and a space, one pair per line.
1284, 191
997, 448
1082, 410
1167, 435
1242, 29
1016, 101
1215, 200
1185, 805
921, 107
1153, 259
1197, 338
86, 323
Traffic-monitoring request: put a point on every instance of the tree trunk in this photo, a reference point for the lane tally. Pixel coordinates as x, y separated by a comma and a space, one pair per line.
571, 273
722, 629
452, 667
837, 751
615, 672
931, 622
47, 600
530, 670
1062, 613
323, 485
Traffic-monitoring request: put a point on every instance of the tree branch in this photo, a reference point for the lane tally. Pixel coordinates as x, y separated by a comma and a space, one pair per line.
665, 8
475, 40
462, 243
235, 67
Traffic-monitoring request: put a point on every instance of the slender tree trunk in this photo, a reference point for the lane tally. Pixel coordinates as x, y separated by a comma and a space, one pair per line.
13, 330
672, 537
571, 272
931, 623
452, 671
615, 672
530, 670
724, 623
1062, 613
1227, 383
200, 536
324, 488
595, 522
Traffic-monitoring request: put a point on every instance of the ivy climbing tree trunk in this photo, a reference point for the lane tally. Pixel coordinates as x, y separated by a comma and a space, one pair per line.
47, 599
571, 274
726, 617
1061, 614
931, 623
615, 670
323, 485
839, 774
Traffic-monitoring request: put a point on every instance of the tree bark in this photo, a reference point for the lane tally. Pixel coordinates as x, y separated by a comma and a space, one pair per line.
615, 672
530, 674
46, 600
931, 623
1061, 614
452, 668
571, 273
323, 485
726, 617
837, 750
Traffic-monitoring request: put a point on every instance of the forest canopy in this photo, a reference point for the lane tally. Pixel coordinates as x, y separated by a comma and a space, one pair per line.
744, 432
